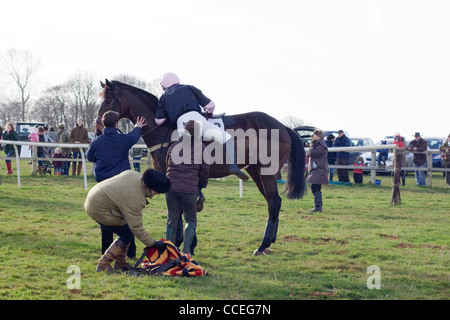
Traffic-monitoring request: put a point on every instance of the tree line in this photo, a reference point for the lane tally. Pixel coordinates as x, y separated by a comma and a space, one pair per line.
77, 97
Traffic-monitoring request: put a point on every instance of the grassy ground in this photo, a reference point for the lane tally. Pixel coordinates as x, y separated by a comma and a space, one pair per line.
44, 230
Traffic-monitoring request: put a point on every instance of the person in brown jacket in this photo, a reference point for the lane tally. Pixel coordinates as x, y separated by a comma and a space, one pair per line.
188, 170
446, 148
317, 167
79, 134
419, 159
117, 203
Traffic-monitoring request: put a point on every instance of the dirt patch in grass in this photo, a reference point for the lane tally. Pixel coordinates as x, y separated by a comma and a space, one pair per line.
387, 236
403, 245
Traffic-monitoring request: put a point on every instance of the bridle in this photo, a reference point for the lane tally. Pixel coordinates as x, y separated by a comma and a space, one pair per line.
117, 107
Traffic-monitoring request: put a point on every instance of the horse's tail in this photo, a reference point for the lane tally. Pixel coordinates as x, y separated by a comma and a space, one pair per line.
295, 183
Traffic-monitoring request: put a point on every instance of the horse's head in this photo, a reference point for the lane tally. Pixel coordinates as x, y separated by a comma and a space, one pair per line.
110, 102
128, 101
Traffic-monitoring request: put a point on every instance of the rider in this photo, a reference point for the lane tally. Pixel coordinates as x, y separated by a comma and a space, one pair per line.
181, 103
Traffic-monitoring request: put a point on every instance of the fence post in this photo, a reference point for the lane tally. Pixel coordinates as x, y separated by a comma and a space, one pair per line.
373, 172
34, 156
396, 198
17, 164
429, 169
84, 168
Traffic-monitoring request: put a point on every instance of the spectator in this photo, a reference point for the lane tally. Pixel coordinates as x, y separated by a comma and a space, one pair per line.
40, 150
186, 179
57, 165
419, 159
400, 142
10, 151
331, 155
382, 155
63, 137
52, 137
110, 154
342, 157
116, 204
358, 173
446, 148
79, 134
317, 168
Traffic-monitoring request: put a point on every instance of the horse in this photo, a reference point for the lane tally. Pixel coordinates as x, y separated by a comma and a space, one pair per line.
131, 102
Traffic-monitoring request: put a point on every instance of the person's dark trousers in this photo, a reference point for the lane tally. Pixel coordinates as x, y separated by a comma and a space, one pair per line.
316, 190
107, 239
179, 203
342, 173
124, 232
358, 177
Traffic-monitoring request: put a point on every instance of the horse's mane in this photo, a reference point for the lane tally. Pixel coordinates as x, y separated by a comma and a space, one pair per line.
140, 92
149, 99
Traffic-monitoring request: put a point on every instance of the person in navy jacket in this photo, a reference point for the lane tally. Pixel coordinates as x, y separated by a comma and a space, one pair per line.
342, 157
110, 154
110, 150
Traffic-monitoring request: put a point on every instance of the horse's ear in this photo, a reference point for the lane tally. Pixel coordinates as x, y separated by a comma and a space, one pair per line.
109, 84
102, 84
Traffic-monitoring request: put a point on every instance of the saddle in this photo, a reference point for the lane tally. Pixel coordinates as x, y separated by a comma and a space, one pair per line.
220, 119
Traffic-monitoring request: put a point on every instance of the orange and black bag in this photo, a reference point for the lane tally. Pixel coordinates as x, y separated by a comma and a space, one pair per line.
166, 260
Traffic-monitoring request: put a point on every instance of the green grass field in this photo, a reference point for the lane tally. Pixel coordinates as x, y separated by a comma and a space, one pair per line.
44, 230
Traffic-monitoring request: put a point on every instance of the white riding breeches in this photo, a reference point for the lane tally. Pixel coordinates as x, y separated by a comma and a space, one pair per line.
209, 130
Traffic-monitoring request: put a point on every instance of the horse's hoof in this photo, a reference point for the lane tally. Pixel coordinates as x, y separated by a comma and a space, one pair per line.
267, 251
258, 253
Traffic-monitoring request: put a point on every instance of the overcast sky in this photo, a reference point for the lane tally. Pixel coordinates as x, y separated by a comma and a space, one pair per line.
372, 68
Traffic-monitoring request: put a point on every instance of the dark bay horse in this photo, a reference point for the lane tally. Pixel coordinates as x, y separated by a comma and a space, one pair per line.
131, 102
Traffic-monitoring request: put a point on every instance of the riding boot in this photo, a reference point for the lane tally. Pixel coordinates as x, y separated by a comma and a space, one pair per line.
317, 202
232, 160
8, 166
79, 168
115, 250
121, 258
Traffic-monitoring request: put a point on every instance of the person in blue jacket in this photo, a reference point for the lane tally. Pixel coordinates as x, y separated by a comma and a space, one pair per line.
109, 152
342, 157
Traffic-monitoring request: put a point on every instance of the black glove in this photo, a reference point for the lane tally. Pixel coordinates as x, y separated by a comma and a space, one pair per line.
159, 245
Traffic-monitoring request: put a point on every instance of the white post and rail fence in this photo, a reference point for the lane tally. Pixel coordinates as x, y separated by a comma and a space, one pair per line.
83, 147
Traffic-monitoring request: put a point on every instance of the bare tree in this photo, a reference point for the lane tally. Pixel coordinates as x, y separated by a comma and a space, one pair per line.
52, 106
21, 65
84, 93
292, 122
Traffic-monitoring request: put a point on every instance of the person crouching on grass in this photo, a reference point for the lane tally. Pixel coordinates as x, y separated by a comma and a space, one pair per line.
317, 167
116, 204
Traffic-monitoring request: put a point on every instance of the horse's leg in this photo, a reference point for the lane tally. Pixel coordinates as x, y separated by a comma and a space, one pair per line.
267, 185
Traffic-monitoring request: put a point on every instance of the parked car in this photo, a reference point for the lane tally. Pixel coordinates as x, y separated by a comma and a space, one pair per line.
435, 143
305, 132
24, 129
358, 142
